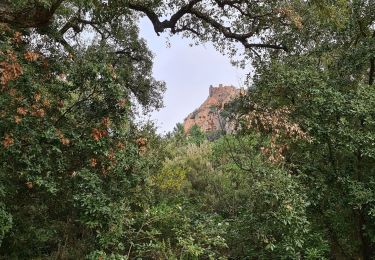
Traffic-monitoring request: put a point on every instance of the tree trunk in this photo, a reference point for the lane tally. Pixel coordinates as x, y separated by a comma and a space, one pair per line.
31, 16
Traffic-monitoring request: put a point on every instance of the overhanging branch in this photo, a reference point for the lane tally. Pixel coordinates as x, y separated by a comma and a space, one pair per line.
191, 8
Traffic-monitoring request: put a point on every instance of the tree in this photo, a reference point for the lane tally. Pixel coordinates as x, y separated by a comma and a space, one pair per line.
196, 135
73, 163
326, 83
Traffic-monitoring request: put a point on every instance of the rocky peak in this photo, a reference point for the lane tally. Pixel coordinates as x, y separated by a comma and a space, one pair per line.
207, 115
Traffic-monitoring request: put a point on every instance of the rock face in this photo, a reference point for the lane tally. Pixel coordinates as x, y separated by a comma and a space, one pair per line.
207, 115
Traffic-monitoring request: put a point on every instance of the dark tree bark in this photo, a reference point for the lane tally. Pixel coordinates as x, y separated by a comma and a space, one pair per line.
34, 16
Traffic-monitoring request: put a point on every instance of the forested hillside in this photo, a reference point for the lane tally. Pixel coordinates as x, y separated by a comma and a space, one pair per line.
81, 179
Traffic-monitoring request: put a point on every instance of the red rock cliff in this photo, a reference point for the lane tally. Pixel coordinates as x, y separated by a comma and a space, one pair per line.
207, 115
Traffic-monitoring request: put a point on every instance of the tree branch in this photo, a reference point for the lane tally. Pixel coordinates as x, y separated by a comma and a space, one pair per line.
189, 8
242, 38
166, 24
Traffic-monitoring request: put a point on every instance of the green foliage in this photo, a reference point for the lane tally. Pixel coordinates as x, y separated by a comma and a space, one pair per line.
171, 177
72, 165
326, 83
5, 222
196, 135
180, 231
264, 203
262, 207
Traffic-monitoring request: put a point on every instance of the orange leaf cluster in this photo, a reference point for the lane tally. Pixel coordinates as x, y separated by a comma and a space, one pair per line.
120, 145
63, 139
37, 97
292, 16
122, 103
38, 109
97, 134
141, 141
10, 69
93, 162
39, 112
22, 111
31, 56
17, 119
17, 37
46, 103
142, 145
277, 124
7, 141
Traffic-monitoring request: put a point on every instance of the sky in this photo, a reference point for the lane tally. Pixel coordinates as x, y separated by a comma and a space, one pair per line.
188, 73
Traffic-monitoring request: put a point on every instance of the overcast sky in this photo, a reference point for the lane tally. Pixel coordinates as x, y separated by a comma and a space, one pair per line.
188, 73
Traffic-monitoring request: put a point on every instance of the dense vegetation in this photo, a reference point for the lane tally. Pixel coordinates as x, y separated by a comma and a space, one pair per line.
80, 179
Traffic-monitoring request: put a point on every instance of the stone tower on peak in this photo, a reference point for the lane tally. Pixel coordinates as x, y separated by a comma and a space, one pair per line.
207, 116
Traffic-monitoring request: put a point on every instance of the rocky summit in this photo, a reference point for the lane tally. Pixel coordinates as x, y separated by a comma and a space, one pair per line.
207, 116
